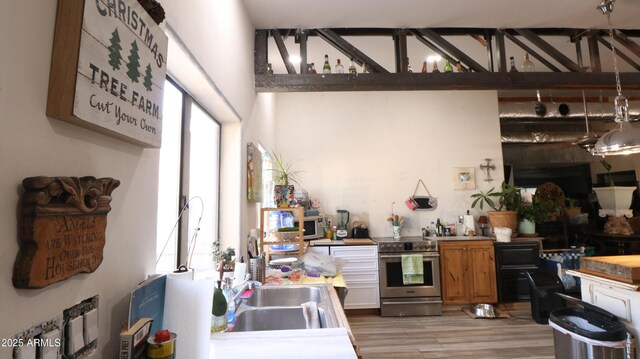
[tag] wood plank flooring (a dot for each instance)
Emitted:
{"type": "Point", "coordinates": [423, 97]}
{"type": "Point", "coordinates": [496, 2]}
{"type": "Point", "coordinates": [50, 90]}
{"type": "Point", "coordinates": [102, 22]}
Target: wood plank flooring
{"type": "Point", "coordinates": [453, 335]}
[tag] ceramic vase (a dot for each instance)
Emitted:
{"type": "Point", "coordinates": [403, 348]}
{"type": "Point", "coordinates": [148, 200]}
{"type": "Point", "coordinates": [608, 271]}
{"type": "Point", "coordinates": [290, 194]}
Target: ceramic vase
{"type": "Point", "coordinates": [396, 232]}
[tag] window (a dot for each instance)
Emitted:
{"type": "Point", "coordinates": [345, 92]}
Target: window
{"type": "Point", "coordinates": [267, 178]}
{"type": "Point", "coordinates": [188, 184]}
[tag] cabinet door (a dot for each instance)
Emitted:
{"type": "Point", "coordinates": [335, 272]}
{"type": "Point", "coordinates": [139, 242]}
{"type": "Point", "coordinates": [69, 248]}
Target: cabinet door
{"type": "Point", "coordinates": [453, 268]}
{"type": "Point", "coordinates": [482, 274]}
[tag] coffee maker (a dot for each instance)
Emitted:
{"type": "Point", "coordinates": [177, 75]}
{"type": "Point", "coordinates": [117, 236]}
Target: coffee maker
{"type": "Point", "coordinates": [343, 220]}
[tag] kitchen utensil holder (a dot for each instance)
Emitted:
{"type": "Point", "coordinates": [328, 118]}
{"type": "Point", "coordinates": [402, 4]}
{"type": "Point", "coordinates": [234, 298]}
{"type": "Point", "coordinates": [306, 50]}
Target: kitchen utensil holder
{"type": "Point", "coordinates": [257, 269]}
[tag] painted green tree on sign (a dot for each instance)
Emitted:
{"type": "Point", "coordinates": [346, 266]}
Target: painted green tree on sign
{"type": "Point", "coordinates": [147, 78]}
{"type": "Point", "coordinates": [115, 58]}
{"type": "Point", "coordinates": [134, 63]}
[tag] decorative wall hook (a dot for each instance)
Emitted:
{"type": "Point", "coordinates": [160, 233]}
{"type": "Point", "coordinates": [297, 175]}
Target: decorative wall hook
{"type": "Point", "coordinates": [488, 167]}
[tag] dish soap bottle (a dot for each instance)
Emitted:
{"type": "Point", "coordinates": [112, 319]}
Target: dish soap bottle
{"type": "Point", "coordinates": [218, 311]}
{"type": "Point", "coordinates": [231, 304]}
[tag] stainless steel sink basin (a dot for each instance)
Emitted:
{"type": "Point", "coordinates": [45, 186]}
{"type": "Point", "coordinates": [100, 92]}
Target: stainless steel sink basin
{"type": "Point", "coordinates": [284, 296]}
{"type": "Point", "coordinates": [272, 318]}
{"type": "Point", "coordinates": [279, 308]}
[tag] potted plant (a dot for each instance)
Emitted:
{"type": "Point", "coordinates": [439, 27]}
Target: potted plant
{"type": "Point", "coordinates": [614, 198]}
{"type": "Point", "coordinates": [504, 204]}
{"type": "Point", "coordinates": [224, 260]}
{"type": "Point", "coordinates": [283, 175]}
{"type": "Point", "coordinates": [572, 207]}
{"type": "Point", "coordinates": [540, 210]}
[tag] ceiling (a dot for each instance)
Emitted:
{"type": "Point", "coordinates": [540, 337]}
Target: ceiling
{"type": "Point", "coordinates": [306, 14]}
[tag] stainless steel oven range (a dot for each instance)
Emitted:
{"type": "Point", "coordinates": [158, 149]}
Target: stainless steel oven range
{"type": "Point", "coordinates": [398, 299]}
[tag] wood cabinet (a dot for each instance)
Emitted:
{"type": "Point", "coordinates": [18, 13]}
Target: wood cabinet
{"type": "Point", "coordinates": [467, 272]}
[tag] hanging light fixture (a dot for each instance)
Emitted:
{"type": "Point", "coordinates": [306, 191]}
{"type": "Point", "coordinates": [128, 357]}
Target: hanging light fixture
{"type": "Point", "coordinates": [589, 139]}
{"type": "Point", "coordinates": [625, 138]}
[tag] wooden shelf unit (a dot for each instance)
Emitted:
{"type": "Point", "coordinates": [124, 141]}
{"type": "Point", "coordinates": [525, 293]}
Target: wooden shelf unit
{"type": "Point", "coordinates": [298, 212]}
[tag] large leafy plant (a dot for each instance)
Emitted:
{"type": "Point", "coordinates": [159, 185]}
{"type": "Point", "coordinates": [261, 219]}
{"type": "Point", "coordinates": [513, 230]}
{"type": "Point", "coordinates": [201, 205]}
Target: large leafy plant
{"type": "Point", "coordinates": [283, 173]}
{"type": "Point", "coordinates": [508, 198]}
{"type": "Point", "coordinates": [540, 210]}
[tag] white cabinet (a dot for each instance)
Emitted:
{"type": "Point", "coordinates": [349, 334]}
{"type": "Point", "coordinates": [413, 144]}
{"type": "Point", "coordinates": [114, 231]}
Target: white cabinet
{"type": "Point", "coordinates": [361, 275]}
{"type": "Point", "coordinates": [620, 299]}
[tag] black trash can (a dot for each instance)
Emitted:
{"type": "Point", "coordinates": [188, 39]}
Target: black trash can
{"type": "Point", "coordinates": [544, 285]}
{"type": "Point", "coordinates": [587, 331]}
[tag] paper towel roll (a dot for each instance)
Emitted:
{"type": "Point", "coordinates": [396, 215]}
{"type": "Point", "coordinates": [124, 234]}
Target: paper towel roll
{"type": "Point", "coordinates": [238, 273]}
{"type": "Point", "coordinates": [469, 223]}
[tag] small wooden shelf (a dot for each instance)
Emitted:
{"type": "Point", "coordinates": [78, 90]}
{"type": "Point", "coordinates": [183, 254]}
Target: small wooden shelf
{"type": "Point", "coordinates": [297, 212]}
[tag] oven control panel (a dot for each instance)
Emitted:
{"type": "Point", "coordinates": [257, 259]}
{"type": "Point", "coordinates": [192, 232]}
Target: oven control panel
{"type": "Point", "coordinates": [398, 247]}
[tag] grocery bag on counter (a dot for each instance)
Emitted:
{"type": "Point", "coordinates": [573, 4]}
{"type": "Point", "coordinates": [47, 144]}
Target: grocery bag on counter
{"type": "Point", "coordinates": [421, 202]}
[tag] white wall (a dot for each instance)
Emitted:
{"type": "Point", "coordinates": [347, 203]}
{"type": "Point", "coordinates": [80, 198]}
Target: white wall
{"type": "Point", "coordinates": [363, 151]}
{"type": "Point", "coordinates": [32, 144]}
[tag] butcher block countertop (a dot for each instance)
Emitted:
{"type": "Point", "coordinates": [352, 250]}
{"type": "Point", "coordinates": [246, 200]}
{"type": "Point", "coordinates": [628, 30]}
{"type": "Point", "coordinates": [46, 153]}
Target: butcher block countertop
{"type": "Point", "coordinates": [622, 268]}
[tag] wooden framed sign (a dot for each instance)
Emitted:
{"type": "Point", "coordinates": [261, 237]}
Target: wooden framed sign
{"type": "Point", "coordinates": [108, 69]}
{"type": "Point", "coordinates": [62, 228]}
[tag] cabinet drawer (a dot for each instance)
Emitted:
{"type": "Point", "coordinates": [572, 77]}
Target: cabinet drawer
{"type": "Point", "coordinates": [359, 264]}
{"type": "Point", "coordinates": [362, 295]}
{"type": "Point", "coordinates": [613, 301]}
{"type": "Point", "coordinates": [318, 249]}
{"type": "Point", "coordinates": [355, 252]}
{"type": "Point", "coordinates": [360, 277]}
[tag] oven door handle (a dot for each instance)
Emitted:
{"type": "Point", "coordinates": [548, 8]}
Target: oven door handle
{"type": "Point", "coordinates": [425, 255]}
{"type": "Point", "coordinates": [435, 301]}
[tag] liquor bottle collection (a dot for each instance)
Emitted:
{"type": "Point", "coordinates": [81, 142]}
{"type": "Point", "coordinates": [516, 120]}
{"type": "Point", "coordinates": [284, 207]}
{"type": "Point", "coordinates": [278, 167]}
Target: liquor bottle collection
{"type": "Point", "coordinates": [339, 68]}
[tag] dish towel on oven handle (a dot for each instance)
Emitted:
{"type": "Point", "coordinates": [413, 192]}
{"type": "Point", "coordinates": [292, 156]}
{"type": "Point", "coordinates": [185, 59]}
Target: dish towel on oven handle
{"type": "Point", "coordinates": [412, 272]}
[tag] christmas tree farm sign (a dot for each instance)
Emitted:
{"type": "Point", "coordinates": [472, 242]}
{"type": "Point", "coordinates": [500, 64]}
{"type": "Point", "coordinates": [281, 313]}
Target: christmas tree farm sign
{"type": "Point", "coordinates": [108, 69]}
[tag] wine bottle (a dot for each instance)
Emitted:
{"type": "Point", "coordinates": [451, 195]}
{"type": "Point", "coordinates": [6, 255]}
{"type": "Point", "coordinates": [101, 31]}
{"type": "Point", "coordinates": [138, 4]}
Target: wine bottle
{"type": "Point", "coordinates": [339, 67]}
{"type": "Point", "coordinates": [409, 69]}
{"type": "Point", "coordinates": [352, 68]}
{"type": "Point", "coordinates": [447, 66]}
{"type": "Point", "coordinates": [326, 69]}
{"type": "Point", "coordinates": [424, 67]}
{"type": "Point", "coordinates": [435, 67]}
{"type": "Point", "coordinates": [459, 67]}
{"type": "Point", "coordinates": [313, 68]}
{"type": "Point", "coordinates": [439, 231]}
{"type": "Point", "coordinates": [527, 65]}
{"type": "Point", "coordinates": [513, 65]}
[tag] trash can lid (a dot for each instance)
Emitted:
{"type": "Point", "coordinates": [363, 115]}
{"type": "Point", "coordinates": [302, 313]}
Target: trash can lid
{"type": "Point", "coordinates": [587, 322]}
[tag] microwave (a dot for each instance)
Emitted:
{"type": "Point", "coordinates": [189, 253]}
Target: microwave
{"type": "Point", "coordinates": [313, 227]}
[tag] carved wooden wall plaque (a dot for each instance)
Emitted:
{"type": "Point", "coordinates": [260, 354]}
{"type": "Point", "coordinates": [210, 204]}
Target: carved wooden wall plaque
{"type": "Point", "coordinates": [62, 228]}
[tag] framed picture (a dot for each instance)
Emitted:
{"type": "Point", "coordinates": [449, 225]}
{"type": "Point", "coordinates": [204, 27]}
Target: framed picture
{"type": "Point", "coordinates": [464, 178]}
{"type": "Point", "coordinates": [254, 173]}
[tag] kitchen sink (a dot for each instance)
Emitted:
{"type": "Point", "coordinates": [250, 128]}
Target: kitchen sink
{"type": "Point", "coordinates": [273, 318]}
{"type": "Point", "coordinates": [284, 296]}
{"type": "Point", "coordinates": [280, 308]}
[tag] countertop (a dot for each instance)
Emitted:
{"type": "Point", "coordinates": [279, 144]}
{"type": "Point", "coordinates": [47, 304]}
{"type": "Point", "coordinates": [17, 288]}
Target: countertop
{"type": "Point", "coordinates": [345, 242]}
{"type": "Point", "coordinates": [302, 343]}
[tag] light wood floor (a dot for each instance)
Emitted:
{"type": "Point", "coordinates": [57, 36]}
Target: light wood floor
{"type": "Point", "coordinates": [453, 335]}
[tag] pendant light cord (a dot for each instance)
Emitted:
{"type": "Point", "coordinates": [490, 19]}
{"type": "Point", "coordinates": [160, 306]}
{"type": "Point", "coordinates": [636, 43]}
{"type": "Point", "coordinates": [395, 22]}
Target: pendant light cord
{"type": "Point", "coordinates": [613, 51]}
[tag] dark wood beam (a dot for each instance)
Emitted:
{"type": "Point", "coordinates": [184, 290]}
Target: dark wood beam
{"type": "Point", "coordinates": [450, 48]}
{"type": "Point", "coordinates": [502, 54]}
{"type": "Point", "coordinates": [594, 51]}
{"type": "Point", "coordinates": [489, 47]}
{"type": "Point", "coordinates": [349, 50]}
{"type": "Point", "coordinates": [626, 42]}
{"type": "Point", "coordinates": [260, 52]}
{"type": "Point", "coordinates": [302, 40]}
{"type": "Point", "coordinates": [283, 51]}
{"type": "Point", "coordinates": [533, 53]}
{"type": "Point", "coordinates": [621, 55]}
{"type": "Point", "coordinates": [439, 51]}
{"type": "Point", "coordinates": [444, 81]}
{"type": "Point", "coordinates": [550, 50]}
{"type": "Point", "coordinates": [400, 50]}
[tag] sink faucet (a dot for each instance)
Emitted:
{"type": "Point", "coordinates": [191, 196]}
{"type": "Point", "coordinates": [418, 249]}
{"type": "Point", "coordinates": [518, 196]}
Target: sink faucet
{"type": "Point", "coordinates": [239, 288]}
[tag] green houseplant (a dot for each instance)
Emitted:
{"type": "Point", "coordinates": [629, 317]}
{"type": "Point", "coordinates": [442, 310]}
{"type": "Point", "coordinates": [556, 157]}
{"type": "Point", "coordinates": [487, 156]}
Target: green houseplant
{"type": "Point", "coordinates": [539, 210]}
{"type": "Point", "coordinates": [504, 204]}
{"type": "Point", "coordinates": [224, 259]}
{"type": "Point", "coordinates": [283, 175]}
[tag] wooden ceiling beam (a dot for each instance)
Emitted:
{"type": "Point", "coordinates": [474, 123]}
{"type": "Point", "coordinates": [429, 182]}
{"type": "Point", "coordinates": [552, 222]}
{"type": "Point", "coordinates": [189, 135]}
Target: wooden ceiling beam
{"type": "Point", "coordinates": [621, 55]}
{"type": "Point", "coordinates": [550, 50]}
{"type": "Point", "coordinates": [283, 51]}
{"type": "Point", "coordinates": [627, 42]}
{"type": "Point", "coordinates": [349, 50]}
{"type": "Point", "coordinates": [532, 52]}
{"type": "Point", "coordinates": [443, 81]}
{"type": "Point", "coordinates": [447, 47]}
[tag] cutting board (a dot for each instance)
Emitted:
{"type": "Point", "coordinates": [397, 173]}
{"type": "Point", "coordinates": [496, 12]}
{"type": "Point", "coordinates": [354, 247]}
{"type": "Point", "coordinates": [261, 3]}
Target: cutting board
{"type": "Point", "coordinates": [622, 268]}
